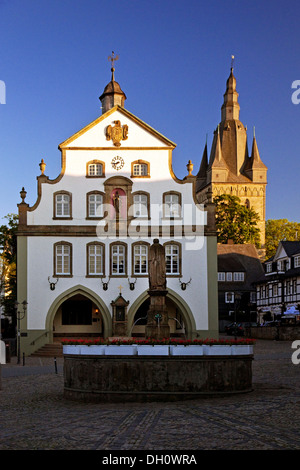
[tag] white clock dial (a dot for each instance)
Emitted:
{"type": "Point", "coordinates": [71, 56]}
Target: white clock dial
{"type": "Point", "coordinates": [117, 163]}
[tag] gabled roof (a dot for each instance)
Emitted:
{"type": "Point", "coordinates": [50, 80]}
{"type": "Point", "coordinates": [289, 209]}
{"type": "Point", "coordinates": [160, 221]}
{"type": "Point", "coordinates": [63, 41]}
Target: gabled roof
{"type": "Point", "coordinates": [126, 113]}
{"type": "Point", "coordinates": [242, 257]}
{"type": "Point", "coordinates": [290, 248]}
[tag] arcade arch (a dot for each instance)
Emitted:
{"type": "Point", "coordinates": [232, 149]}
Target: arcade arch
{"type": "Point", "coordinates": [181, 320]}
{"type": "Point", "coordinates": [78, 311]}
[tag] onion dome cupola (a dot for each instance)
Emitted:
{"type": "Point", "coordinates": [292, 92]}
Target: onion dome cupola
{"type": "Point", "coordinates": [112, 94]}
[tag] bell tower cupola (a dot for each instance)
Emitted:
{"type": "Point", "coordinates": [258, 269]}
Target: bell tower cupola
{"type": "Point", "coordinates": [112, 94]}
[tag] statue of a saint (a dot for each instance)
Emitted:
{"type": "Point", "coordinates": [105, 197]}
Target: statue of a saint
{"type": "Point", "coordinates": [116, 202]}
{"type": "Point", "coordinates": [157, 266]}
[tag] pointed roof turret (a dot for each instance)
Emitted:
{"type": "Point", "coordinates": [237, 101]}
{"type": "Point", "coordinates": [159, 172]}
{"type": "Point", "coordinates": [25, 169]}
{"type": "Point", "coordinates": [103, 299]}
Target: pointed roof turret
{"type": "Point", "coordinates": [202, 173]}
{"type": "Point", "coordinates": [255, 157]}
{"type": "Point", "coordinates": [112, 94]}
{"type": "Point", "coordinates": [256, 169]}
{"type": "Point", "coordinates": [217, 169]}
{"type": "Point", "coordinates": [216, 156]}
{"type": "Point", "coordinates": [204, 164]}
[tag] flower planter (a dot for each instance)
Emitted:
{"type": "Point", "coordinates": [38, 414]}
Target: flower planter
{"type": "Point", "coordinates": [149, 350]}
{"type": "Point", "coordinates": [192, 350]}
{"type": "Point", "coordinates": [71, 349]}
{"type": "Point", "coordinates": [95, 350]}
{"type": "Point", "coordinates": [238, 349]}
{"type": "Point", "coordinates": [217, 350]}
{"type": "Point", "coordinates": [120, 350]}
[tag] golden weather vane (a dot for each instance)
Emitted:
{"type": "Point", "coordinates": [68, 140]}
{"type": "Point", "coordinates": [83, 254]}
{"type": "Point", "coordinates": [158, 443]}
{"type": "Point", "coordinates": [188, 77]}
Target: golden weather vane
{"type": "Point", "coordinates": [112, 58]}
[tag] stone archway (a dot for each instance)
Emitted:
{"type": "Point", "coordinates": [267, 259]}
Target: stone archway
{"type": "Point", "coordinates": [173, 298]}
{"type": "Point", "coordinates": [76, 292]}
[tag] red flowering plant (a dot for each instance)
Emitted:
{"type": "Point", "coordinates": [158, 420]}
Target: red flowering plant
{"type": "Point", "coordinates": [83, 342]}
{"type": "Point", "coordinates": [153, 342]}
{"type": "Point", "coordinates": [228, 342]}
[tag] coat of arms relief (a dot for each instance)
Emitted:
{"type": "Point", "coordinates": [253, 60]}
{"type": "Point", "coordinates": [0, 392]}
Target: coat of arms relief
{"type": "Point", "coordinates": [117, 133]}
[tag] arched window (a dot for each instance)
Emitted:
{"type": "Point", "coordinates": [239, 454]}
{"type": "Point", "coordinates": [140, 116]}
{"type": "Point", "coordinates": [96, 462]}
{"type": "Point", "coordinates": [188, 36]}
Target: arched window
{"type": "Point", "coordinates": [95, 259]}
{"type": "Point", "coordinates": [62, 259]}
{"type": "Point", "coordinates": [118, 259]}
{"type": "Point", "coordinates": [62, 205]}
{"type": "Point", "coordinates": [140, 259]}
{"type": "Point", "coordinates": [140, 168]}
{"type": "Point", "coordinates": [173, 258]}
{"type": "Point", "coordinates": [95, 205]}
{"type": "Point", "coordinates": [172, 204]}
{"type": "Point", "coordinates": [141, 204]}
{"type": "Point", "coordinates": [95, 169]}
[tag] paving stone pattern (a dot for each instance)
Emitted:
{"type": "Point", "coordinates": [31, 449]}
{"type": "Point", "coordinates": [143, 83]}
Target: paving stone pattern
{"type": "Point", "coordinates": [36, 416]}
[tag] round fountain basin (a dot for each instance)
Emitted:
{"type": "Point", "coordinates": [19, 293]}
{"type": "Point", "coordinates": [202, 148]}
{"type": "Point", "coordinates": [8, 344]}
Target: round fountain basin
{"type": "Point", "coordinates": [144, 378]}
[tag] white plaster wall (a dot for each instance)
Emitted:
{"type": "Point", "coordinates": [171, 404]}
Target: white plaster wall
{"type": "Point", "coordinates": [95, 136]}
{"type": "Point", "coordinates": [40, 297]}
{"type": "Point", "coordinates": [40, 249]}
{"type": "Point", "coordinates": [75, 182]}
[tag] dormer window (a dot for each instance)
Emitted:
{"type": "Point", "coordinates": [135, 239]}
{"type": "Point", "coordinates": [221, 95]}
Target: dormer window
{"type": "Point", "coordinates": [238, 277]}
{"type": "Point", "coordinates": [283, 264]}
{"type": "Point", "coordinates": [269, 267]}
{"type": "Point", "coordinates": [95, 169]}
{"type": "Point", "coordinates": [297, 261]}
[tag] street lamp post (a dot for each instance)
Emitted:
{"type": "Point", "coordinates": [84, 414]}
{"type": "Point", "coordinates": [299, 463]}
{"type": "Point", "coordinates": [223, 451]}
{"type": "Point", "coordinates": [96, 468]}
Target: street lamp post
{"type": "Point", "coordinates": [20, 316]}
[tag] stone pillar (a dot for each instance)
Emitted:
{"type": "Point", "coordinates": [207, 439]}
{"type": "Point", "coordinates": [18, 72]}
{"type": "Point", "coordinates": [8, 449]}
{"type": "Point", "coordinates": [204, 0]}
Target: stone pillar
{"type": "Point", "coordinates": [157, 318]}
{"type": "Point", "coordinates": [157, 323]}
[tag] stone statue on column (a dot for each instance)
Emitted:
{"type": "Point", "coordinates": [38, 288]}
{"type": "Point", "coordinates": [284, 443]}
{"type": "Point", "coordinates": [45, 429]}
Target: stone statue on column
{"type": "Point", "coordinates": [157, 267]}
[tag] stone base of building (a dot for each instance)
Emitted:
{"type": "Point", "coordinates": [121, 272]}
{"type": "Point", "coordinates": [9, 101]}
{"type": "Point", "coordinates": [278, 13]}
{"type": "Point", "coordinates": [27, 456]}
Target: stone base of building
{"type": "Point", "coordinates": [154, 378]}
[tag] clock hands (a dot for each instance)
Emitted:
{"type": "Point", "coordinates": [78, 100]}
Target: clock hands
{"type": "Point", "coordinates": [117, 163]}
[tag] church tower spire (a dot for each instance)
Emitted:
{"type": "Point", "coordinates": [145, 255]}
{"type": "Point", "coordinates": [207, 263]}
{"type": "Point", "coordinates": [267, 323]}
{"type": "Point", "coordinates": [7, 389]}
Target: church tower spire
{"type": "Point", "coordinates": [112, 94]}
{"type": "Point", "coordinates": [230, 108]}
{"type": "Point", "coordinates": [230, 170]}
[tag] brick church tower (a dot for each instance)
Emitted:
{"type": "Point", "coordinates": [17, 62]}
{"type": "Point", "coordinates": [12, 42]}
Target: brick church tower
{"type": "Point", "coordinates": [230, 169]}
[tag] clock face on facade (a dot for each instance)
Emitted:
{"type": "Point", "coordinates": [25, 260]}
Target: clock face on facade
{"type": "Point", "coordinates": [117, 163]}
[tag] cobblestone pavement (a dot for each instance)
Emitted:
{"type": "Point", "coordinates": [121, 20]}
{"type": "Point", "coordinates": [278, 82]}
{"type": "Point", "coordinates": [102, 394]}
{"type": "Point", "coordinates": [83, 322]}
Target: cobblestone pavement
{"type": "Point", "coordinates": [35, 415]}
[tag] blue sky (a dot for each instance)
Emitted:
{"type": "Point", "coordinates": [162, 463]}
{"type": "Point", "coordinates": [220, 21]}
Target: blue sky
{"type": "Point", "coordinates": [174, 62]}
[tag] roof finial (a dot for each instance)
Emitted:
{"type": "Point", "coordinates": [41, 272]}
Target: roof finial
{"type": "Point", "coordinates": [254, 132]}
{"type": "Point", "coordinates": [232, 61]}
{"type": "Point", "coordinates": [112, 58]}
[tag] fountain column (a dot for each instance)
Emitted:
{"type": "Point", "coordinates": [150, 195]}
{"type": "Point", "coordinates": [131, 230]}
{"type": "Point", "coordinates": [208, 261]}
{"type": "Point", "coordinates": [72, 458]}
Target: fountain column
{"type": "Point", "coordinates": [157, 318]}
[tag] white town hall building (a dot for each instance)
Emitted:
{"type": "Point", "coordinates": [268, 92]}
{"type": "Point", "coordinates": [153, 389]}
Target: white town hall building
{"type": "Point", "coordinates": [83, 246]}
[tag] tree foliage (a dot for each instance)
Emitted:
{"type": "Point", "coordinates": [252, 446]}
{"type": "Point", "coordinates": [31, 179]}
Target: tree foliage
{"type": "Point", "coordinates": [235, 221]}
{"type": "Point", "coordinates": [277, 230]}
{"type": "Point", "coordinates": [8, 263]}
